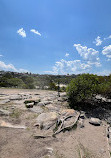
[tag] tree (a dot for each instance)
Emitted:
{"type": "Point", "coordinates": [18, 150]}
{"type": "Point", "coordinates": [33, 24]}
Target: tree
{"type": "Point", "coordinates": [82, 88]}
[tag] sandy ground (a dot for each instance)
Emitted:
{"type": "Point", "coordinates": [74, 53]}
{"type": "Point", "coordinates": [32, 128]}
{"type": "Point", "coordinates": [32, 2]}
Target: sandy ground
{"type": "Point", "coordinates": [87, 142]}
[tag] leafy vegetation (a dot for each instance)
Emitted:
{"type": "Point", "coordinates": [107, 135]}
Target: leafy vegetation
{"type": "Point", "coordinates": [31, 81]}
{"type": "Point", "coordinates": [85, 86]}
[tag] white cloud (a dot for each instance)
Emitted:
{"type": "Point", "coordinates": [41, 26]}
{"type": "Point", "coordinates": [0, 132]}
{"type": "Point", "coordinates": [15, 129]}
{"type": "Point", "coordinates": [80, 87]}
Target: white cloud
{"type": "Point", "coordinates": [10, 67]}
{"type": "Point", "coordinates": [67, 54]}
{"type": "Point", "coordinates": [36, 32]}
{"type": "Point", "coordinates": [1, 55]}
{"type": "Point", "coordinates": [64, 67]}
{"type": "Point", "coordinates": [21, 32]}
{"type": "Point", "coordinates": [88, 54]}
{"type": "Point", "coordinates": [90, 58]}
{"type": "Point", "coordinates": [107, 37]}
{"type": "Point", "coordinates": [98, 41]}
{"type": "Point", "coordinates": [4, 66]}
{"type": "Point", "coordinates": [107, 52]}
{"type": "Point", "coordinates": [22, 70]}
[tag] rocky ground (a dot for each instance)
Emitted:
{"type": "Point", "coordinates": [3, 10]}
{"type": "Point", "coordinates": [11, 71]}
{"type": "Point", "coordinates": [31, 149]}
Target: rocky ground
{"type": "Point", "coordinates": [45, 127]}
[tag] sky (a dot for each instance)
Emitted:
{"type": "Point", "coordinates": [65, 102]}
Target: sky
{"type": "Point", "coordinates": [55, 37]}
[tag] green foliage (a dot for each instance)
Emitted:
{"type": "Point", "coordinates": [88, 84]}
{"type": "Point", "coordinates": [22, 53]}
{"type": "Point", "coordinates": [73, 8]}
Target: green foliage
{"type": "Point", "coordinates": [85, 86]}
{"type": "Point", "coordinates": [82, 88]}
{"type": "Point", "coordinates": [52, 86]}
{"type": "Point", "coordinates": [104, 87]}
{"type": "Point", "coordinates": [11, 82]}
{"type": "Point", "coordinates": [29, 82]}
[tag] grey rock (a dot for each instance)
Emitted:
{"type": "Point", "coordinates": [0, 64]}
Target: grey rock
{"type": "Point", "coordinates": [63, 94]}
{"type": "Point", "coordinates": [4, 101]}
{"type": "Point", "coordinates": [15, 97]}
{"type": "Point", "coordinates": [30, 105]}
{"type": "Point", "coordinates": [46, 120]}
{"type": "Point", "coordinates": [52, 107]}
{"type": "Point", "coordinates": [41, 104]}
{"type": "Point", "coordinates": [4, 112]}
{"type": "Point", "coordinates": [81, 123]}
{"type": "Point", "coordinates": [82, 116]}
{"type": "Point", "coordinates": [9, 125]}
{"type": "Point", "coordinates": [62, 99]}
{"type": "Point", "coordinates": [37, 109]}
{"type": "Point", "coordinates": [95, 121]}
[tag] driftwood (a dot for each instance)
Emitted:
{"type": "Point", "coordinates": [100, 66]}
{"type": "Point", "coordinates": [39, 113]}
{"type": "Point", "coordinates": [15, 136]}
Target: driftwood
{"type": "Point", "coordinates": [62, 120]}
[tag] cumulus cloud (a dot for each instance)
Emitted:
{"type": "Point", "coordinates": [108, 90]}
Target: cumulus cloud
{"type": "Point", "coordinates": [10, 67]}
{"type": "Point", "coordinates": [4, 66]}
{"type": "Point", "coordinates": [107, 52]}
{"type": "Point", "coordinates": [74, 66]}
{"type": "Point", "coordinates": [21, 32]}
{"type": "Point", "coordinates": [67, 54]}
{"type": "Point", "coordinates": [36, 32]}
{"type": "Point", "coordinates": [88, 54]}
{"type": "Point", "coordinates": [98, 41]}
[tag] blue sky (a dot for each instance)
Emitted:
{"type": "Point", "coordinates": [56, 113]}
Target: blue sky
{"type": "Point", "coordinates": [56, 37]}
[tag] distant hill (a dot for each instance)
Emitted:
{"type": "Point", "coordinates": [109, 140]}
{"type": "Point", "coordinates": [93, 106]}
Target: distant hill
{"type": "Point", "coordinates": [30, 80]}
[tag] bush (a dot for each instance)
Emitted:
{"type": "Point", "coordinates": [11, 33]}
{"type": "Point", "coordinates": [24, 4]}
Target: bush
{"type": "Point", "coordinates": [82, 89]}
{"type": "Point", "coordinates": [52, 86]}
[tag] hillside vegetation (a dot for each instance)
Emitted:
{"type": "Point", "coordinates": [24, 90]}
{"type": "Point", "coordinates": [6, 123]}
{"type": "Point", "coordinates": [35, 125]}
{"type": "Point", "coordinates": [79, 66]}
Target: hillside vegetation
{"type": "Point", "coordinates": [31, 81]}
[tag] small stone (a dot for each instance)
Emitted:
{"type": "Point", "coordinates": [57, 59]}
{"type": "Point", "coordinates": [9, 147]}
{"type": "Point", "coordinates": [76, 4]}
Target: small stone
{"type": "Point", "coordinates": [95, 121]}
{"type": "Point", "coordinates": [81, 123]}
{"type": "Point", "coordinates": [82, 116]}
{"type": "Point", "coordinates": [30, 105]}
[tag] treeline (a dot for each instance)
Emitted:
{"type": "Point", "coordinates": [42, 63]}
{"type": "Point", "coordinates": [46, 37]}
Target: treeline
{"type": "Point", "coordinates": [31, 81]}
{"type": "Point", "coordinates": [9, 79]}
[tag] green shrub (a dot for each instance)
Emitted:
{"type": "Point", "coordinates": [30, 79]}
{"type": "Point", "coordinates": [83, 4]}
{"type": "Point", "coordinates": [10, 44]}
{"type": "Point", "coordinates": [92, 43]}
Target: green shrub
{"type": "Point", "coordinates": [82, 89]}
{"type": "Point", "coordinates": [52, 86]}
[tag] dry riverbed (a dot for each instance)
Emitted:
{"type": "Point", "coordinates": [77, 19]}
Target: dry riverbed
{"type": "Point", "coordinates": [33, 132]}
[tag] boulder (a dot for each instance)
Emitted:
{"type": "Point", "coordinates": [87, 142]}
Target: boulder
{"type": "Point", "coordinates": [62, 99]}
{"type": "Point", "coordinates": [4, 101]}
{"type": "Point", "coordinates": [95, 121]}
{"type": "Point", "coordinates": [68, 112]}
{"type": "Point", "coordinates": [37, 109]}
{"type": "Point", "coordinates": [52, 107]}
{"type": "Point", "coordinates": [63, 94]}
{"type": "Point", "coordinates": [4, 112]}
{"type": "Point", "coordinates": [46, 120]}
{"type": "Point", "coordinates": [43, 103]}
{"type": "Point", "coordinates": [9, 125]}
{"type": "Point", "coordinates": [15, 97]}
